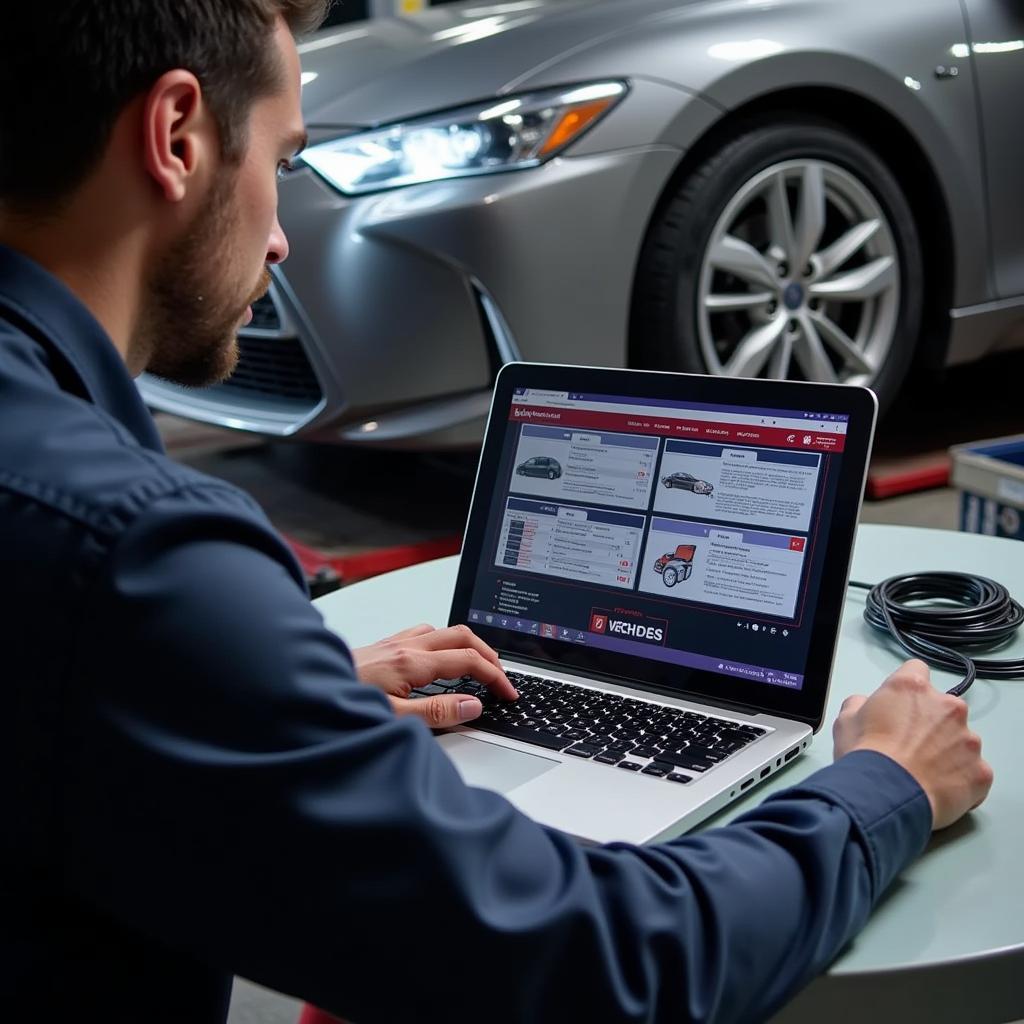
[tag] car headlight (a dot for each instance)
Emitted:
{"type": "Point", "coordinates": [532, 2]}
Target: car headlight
{"type": "Point", "coordinates": [503, 135]}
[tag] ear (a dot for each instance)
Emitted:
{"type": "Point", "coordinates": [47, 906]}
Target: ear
{"type": "Point", "coordinates": [176, 133]}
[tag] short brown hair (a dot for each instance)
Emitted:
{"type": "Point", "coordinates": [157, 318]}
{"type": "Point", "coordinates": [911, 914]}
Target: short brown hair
{"type": "Point", "coordinates": [69, 67]}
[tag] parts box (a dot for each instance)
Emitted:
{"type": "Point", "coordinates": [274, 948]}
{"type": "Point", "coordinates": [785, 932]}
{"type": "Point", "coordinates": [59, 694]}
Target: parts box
{"type": "Point", "coordinates": [990, 478]}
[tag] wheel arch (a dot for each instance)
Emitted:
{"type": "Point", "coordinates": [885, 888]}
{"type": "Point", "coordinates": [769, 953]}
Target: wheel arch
{"type": "Point", "coordinates": [905, 159]}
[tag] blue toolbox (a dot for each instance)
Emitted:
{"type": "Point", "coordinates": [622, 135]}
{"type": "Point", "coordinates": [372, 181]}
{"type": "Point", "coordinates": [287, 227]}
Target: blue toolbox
{"type": "Point", "coordinates": [990, 478]}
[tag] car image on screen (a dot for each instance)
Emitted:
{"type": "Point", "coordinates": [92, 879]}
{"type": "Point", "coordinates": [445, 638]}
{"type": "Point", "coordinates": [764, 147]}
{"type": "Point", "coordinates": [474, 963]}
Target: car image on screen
{"type": "Point", "coordinates": [688, 482]}
{"type": "Point", "coordinates": [540, 465]}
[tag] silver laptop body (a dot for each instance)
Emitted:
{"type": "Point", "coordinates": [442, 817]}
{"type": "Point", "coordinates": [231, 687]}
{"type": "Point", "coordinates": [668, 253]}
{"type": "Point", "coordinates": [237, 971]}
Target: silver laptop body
{"type": "Point", "coordinates": [604, 801]}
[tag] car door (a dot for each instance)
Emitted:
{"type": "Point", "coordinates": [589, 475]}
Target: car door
{"type": "Point", "coordinates": [996, 51]}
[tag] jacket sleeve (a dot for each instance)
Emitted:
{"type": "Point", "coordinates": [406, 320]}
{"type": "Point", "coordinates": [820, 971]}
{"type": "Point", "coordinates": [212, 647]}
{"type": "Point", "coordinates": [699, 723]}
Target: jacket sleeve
{"type": "Point", "coordinates": [238, 795]}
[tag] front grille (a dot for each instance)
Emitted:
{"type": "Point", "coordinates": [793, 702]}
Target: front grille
{"type": "Point", "coordinates": [264, 315]}
{"type": "Point", "coordinates": [277, 367]}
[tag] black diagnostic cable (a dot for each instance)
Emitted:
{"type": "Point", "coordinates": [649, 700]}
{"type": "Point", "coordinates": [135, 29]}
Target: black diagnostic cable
{"type": "Point", "coordinates": [937, 616]}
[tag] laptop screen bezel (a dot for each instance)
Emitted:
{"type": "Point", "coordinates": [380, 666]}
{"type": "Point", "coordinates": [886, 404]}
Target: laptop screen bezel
{"type": "Point", "coordinates": [806, 704]}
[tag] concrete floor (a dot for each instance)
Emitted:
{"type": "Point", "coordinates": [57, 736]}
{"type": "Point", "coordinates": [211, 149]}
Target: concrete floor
{"type": "Point", "coordinates": [342, 501]}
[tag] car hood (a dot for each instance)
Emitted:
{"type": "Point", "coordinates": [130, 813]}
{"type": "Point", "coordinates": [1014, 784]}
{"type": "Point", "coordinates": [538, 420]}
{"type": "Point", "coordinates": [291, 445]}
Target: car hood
{"type": "Point", "coordinates": [388, 69]}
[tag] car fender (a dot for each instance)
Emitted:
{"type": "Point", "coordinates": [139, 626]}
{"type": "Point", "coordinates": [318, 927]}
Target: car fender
{"type": "Point", "coordinates": [737, 55]}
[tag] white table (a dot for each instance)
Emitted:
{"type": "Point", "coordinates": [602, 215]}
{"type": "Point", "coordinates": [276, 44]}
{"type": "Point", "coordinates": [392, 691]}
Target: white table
{"type": "Point", "coordinates": [947, 942]}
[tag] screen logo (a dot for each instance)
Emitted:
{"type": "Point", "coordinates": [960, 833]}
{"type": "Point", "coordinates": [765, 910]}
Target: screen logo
{"type": "Point", "coordinates": [629, 624]}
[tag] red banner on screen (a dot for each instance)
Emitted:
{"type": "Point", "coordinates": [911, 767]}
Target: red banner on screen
{"type": "Point", "coordinates": [697, 430]}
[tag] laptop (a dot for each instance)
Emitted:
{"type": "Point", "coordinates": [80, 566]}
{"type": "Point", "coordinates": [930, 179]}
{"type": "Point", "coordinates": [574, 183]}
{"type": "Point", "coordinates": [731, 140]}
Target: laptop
{"type": "Point", "coordinates": [660, 560]}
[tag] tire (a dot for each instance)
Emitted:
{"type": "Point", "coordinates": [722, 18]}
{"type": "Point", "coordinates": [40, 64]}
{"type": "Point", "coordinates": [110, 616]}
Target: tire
{"type": "Point", "coordinates": [669, 576]}
{"type": "Point", "coordinates": [694, 247]}
{"type": "Point", "coordinates": [551, 474]}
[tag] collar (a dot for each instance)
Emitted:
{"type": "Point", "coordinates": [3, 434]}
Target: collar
{"type": "Point", "coordinates": [57, 319]}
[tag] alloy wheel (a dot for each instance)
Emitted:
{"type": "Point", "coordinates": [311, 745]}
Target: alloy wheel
{"type": "Point", "coordinates": [800, 278]}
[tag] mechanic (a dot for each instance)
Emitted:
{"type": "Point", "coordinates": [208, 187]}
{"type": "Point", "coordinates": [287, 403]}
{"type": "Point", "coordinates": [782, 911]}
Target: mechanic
{"type": "Point", "coordinates": [199, 779]}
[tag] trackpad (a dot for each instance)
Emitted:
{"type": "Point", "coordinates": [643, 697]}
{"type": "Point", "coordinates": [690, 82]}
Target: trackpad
{"type": "Point", "coordinates": [492, 767]}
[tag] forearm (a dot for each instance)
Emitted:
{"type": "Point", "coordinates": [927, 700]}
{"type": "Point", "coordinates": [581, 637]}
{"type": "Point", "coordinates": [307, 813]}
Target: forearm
{"type": "Point", "coordinates": [245, 800]}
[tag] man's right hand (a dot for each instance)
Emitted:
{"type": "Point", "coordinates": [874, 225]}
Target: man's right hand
{"type": "Point", "coordinates": [926, 732]}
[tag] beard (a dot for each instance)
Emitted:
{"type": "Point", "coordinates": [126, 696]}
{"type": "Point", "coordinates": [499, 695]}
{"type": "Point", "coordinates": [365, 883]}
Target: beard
{"type": "Point", "coordinates": [189, 324]}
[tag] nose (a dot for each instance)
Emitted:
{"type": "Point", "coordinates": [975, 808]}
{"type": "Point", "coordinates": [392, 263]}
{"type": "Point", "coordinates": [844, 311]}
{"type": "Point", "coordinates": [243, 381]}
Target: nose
{"type": "Point", "coordinates": [277, 244]}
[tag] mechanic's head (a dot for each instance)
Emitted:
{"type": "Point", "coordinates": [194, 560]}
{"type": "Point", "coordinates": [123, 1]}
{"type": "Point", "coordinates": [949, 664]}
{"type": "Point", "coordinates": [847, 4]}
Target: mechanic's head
{"type": "Point", "coordinates": [147, 136]}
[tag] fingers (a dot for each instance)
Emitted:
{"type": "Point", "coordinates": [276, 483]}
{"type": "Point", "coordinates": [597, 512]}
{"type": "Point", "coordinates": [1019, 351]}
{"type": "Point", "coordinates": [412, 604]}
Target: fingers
{"type": "Point", "coordinates": [442, 711]}
{"type": "Point", "coordinates": [844, 729]}
{"type": "Point", "coordinates": [461, 639]}
{"type": "Point", "coordinates": [448, 664]}
{"type": "Point", "coordinates": [422, 654]}
{"type": "Point", "coordinates": [853, 704]}
{"type": "Point", "coordinates": [407, 634]}
{"type": "Point", "coordinates": [913, 671]}
{"type": "Point", "coordinates": [982, 782]}
{"type": "Point", "coordinates": [458, 636]}
{"type": "Point", "coordinates": [450, 638]}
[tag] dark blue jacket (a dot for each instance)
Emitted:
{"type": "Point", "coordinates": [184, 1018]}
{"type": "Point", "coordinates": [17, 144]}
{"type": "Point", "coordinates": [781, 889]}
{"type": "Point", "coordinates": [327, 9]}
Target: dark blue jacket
{"type": "Point", "coordinates": [194, 785]}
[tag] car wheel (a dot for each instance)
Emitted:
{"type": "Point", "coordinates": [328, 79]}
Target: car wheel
{"type": "Point", "coordinates": [669, 576]}
{"type": "Point", "coordinates": [790, 252]}
{"type": "Point", "coordinates": [551, 474]}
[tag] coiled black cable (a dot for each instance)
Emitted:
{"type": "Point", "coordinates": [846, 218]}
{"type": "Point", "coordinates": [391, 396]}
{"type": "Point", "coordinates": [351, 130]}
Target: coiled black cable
{"type": "Point", "coordinates": [936, 616]}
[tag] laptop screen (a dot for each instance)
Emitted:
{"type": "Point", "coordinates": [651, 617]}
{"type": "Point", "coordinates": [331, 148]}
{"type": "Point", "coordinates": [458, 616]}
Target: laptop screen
{"type": "Point", "coordinates": [686, 538]}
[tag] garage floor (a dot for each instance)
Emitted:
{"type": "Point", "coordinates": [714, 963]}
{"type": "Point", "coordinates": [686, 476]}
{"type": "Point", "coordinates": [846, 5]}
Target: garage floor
{"type": "Point", "coordinates": [341, 501]}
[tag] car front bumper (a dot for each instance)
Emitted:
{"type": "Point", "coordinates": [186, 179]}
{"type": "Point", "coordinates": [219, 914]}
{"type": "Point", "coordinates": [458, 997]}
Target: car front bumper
{"type": "Point", "coordinates": [395, 310]}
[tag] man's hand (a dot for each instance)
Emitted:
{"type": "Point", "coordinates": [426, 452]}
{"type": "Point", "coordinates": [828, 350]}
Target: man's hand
{"type": "Point", "coordinates": [417, 656]}
{"type": "Point", "coordinates": [926, 732]}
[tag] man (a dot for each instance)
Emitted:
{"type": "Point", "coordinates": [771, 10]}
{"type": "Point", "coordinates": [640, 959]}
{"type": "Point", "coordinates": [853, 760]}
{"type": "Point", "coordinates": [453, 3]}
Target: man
{"type": "Point", "coordinates": [197, 781]}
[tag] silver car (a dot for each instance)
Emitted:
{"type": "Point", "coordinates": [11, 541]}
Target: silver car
{"type": "Point", "coordinates": [802, 188]}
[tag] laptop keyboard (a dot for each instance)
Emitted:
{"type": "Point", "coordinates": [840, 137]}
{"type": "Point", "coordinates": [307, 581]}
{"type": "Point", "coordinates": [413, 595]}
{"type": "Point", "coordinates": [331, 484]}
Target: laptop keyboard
{"type": "Point", "coordinates": [634, 735]}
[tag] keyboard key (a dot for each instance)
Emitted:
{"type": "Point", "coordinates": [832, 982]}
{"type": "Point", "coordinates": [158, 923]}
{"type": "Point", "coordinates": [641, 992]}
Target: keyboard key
{"type": "Point", "coordinates": [678, 777]}
{"type": "Point", "coordinates": [645, 751]}
{"type": "Point", "coordinates": [619, 748]}
{"type": "Point", "coordinates": [589, 723]}
{"type": "Point", "coordinates": [429, 690]}
{"type": "Point", "coordinates": [690, 763]}
{"type": "Point", "coordinates": [655, 769]}
{"type": "Point", "coordinates": [704, 753]}
{"type": "Point", "coordinates": [728, 746]}
{"type": "Point", "coordinates": [518, 732]}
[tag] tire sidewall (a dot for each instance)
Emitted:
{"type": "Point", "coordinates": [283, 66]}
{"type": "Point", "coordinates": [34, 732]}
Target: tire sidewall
{"type": "Point", "coordinates": [707, 195]}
